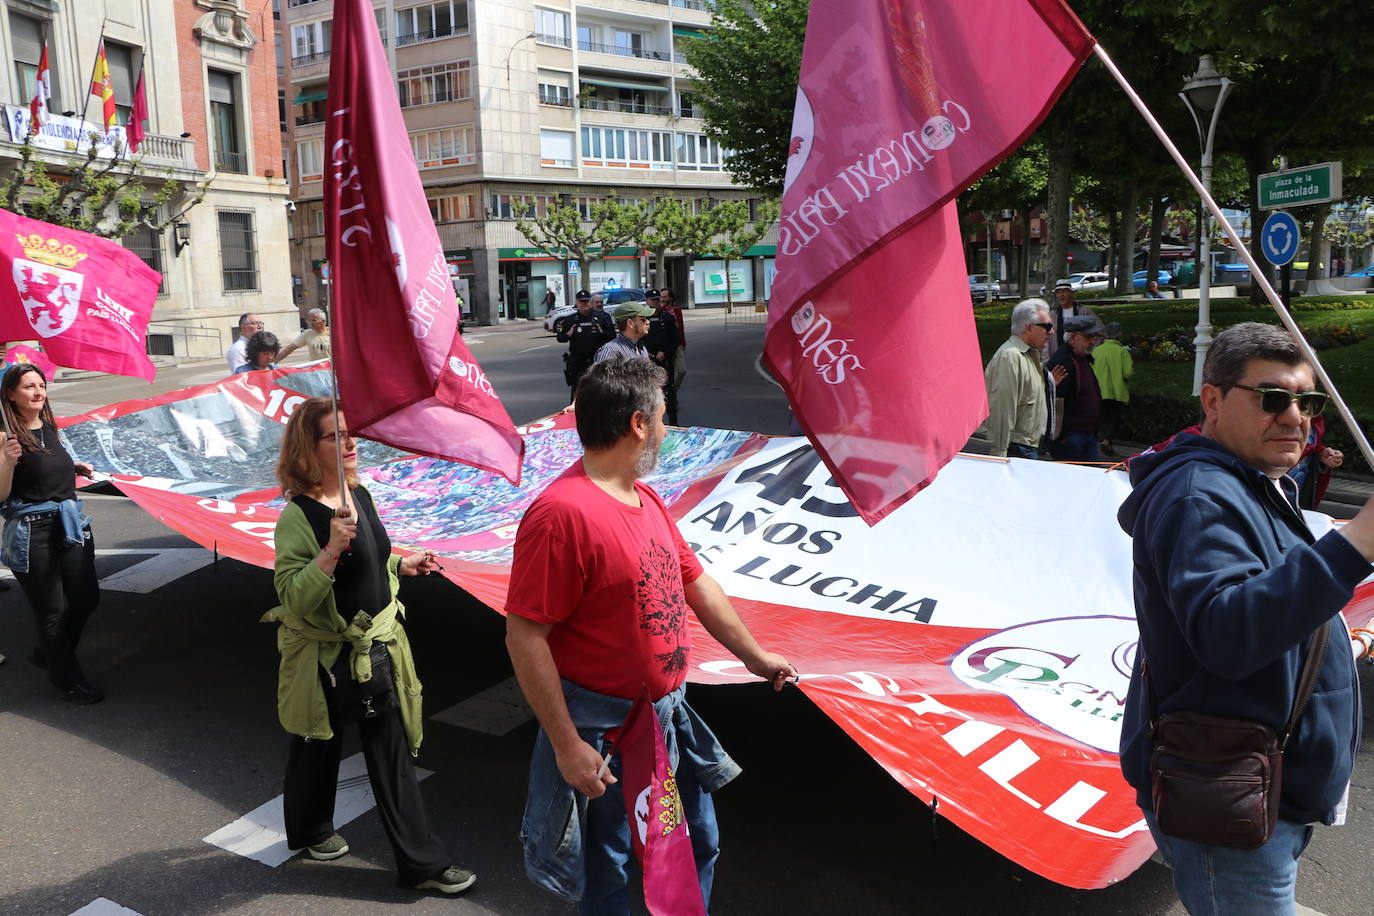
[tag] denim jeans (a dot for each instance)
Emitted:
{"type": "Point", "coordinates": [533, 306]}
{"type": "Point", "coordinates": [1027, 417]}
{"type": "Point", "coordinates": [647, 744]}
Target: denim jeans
{"type": "Point", "coordinates": [608, 844]}
{"type": "Point", "coordinates": [1017, 450]}
{"type": "Point", "coordinates": [1220, 881]}
{"type": "Point", "coordinates": [1076, 446]}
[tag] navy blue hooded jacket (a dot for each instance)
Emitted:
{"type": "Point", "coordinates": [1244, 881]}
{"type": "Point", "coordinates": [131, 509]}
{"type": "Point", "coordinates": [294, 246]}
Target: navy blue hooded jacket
{"type": "Point", "coordinates": [1229, 588]}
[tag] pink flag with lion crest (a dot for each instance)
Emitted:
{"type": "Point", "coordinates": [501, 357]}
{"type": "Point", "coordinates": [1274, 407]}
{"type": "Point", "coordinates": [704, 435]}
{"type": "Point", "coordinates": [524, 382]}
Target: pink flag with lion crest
{"type": "Point", "coordinates": [406, 378]}
{"type": "Point", "coordinates": [901, 105]}
{"type": "Point", "coordinates": [87, 300]}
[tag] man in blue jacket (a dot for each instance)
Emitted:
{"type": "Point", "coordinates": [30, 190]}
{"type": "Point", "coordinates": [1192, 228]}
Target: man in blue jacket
{"type": "Point", "coordinates": [1230, 587]}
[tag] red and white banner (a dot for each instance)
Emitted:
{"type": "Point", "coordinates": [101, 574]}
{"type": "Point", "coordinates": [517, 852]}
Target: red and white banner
{"type": "Point", "coordinates": [901, 105]}
{"type": "Point", "coordinates": [87, 299]}
{"type": "Point", "coordinates": [653, 806]}
{"type": "Point", "coordinates": [931, 642]}
{"type": "Point", "coordinates": [405, 375]}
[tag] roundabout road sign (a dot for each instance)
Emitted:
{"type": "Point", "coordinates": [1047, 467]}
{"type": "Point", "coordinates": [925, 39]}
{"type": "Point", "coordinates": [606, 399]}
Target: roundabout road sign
{"type": "Point", "coordinates": [1279, 238]}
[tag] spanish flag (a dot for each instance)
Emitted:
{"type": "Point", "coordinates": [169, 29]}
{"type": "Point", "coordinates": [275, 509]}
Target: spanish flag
{"type": "Point", "coordinates": [102, 86]}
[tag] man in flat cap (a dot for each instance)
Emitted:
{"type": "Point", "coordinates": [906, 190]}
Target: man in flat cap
{"type": "Point", "coordinates": [1076, 439]}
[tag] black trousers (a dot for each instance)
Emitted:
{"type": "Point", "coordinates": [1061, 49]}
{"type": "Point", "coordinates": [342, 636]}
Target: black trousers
{"type": "Point", "coordinates": [63, 591]}
{"type": "Point", "coordinates": [1108, 416]}
{"type": "Point", "coordinates": [312, 771]}
{"type": "Point", "coordinates": [669, 365]}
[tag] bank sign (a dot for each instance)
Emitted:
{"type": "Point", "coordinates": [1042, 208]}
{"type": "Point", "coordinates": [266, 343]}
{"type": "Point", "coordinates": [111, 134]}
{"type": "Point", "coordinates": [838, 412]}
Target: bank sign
{"type": "Point", "coordinates": [1311, 184]}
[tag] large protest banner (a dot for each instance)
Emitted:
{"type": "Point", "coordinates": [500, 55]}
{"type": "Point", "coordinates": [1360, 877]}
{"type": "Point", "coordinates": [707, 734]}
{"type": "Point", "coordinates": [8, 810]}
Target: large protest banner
{"type": "Point", "coordinates": [928, 640]}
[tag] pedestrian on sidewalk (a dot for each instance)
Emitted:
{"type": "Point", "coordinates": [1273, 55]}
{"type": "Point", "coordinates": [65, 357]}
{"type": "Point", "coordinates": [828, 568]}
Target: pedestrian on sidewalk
{"type": "Point", "coordinates": [1113, 366]}
{"type": "Point", "coordinates": [334, 558]}
{"type": "Point", "coordinates": [48, 543]}
{"type": "Point", "coordinates": [1077, 390]}
{"type": "Point", "coordinates": [316, 337]}
{"type": "Point", "coordinates": [236, 355]}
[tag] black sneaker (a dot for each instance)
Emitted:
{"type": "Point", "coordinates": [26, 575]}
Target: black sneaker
{"type": "Point", "coordinates": [83, 694]}
{"type": "Point", "coordinates": [453, 880]}
{"type": "Point", "coordinates": [329, 848]}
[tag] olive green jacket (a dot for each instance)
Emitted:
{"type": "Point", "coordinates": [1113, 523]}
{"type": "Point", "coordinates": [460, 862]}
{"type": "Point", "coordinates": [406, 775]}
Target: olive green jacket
{"type": "Point", "coordinates": [312, 634]}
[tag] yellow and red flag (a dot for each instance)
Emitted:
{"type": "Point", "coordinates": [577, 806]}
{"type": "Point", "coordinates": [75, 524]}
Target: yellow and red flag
{"type": "Point", "coordinates": [103, 87]}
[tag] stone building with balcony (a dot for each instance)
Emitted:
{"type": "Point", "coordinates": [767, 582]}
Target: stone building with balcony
{"type": "Point", "coordinates": [211, 88]}
{"type": "Point", "coordinates": [508, 100]}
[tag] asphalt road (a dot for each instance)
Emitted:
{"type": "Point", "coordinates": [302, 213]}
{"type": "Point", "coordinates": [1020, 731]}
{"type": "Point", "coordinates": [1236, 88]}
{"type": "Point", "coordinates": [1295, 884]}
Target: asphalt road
{"type": "Point", "coordinates": [113, 801]}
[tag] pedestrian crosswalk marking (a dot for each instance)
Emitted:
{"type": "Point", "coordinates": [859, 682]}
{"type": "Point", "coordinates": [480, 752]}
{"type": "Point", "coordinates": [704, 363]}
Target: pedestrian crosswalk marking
{"type": "Point", "coordinates": [498, 710]}
{"type": "Point", "coordinates": [260, 834]}
{"type": "Point", "coordinates": [101, 906]}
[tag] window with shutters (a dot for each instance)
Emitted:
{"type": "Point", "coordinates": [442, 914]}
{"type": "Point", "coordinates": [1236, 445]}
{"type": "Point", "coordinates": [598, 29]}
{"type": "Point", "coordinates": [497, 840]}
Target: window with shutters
{"type": "Point", "coordinates": [238, 251]}
{"type": "Point", "coordinates": [226, 132]}
{"type": "Point", "coordinates": [556, 148]}
{"type": "Point", "coordinates": [123, 76]}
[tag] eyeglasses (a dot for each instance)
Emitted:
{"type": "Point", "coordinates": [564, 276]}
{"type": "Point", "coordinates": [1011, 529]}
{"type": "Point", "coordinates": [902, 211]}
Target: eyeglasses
{"type": "Point", "coordinates": [1046, 325]}
{"type": "Point", "coordinates": [1277, 400]}
{"type": "Point", "coordinates": [330, 437]}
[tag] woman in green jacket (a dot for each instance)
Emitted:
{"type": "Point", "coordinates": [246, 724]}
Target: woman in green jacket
{"type": "Point", "coordinates": [345, 658]}
{"type": "Point", "coordinates": [1113, 366]}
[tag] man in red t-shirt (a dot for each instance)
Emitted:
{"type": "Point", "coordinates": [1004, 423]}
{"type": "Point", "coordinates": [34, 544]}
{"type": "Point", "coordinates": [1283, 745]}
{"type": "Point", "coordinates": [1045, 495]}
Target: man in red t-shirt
{"type": "Point", "coordinates": [601, 585]}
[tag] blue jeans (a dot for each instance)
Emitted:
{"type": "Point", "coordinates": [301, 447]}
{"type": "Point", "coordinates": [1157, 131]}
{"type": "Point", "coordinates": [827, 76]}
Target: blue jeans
{"type": "Point", "coordinates": [1220, 881]}
{"type": "Point", "coordinates": [1017, 450]}
{"type": "Point", "coordinates": [608, 844]}
{"type": "Point", "coordinates": [1076, 446]}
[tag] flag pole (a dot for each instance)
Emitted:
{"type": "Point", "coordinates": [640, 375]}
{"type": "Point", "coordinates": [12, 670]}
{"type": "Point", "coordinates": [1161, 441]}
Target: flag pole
{"type": "Point", "coordinates": [338, 442]}
{"type": "Point", "coordinates": [1255, 272]}
{"type": "Point", "coordinates": [90, 83]}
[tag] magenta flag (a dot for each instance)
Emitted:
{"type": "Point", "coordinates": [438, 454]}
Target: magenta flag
{"type": "Point", "coordinates": [87, 300]}
{"type": "Point", "coordinates": [901, 105]}
{"type": "Point", "coordinates": [658, 829]}
{"type": "Point", "coordinates": [406, 378]}
{"type": "Point", "coordinates": [20, 354]}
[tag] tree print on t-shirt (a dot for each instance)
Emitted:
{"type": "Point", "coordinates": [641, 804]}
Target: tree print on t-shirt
{"type": "Point", "coordinates": [662, 605]}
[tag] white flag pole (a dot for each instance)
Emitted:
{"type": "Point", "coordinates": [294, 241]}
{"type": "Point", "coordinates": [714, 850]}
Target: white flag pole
{"type": "Point", "coordinates": [1244, 252]}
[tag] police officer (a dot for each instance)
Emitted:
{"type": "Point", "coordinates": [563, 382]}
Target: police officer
{"type": "Point", "coordinates": [584, 331]}
{"type": "Point", "coordinates": [662, 343]}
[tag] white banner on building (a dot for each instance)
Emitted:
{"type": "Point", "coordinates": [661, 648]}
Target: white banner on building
{"type": "Point", "coordinates": [65, 135]}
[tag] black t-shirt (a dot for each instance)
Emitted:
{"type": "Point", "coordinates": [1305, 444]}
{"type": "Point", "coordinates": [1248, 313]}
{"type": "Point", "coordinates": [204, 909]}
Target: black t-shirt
{"type": "Point", "coordinates": [360, 583]}
{"type": "Point", "coordinates": [360, 579]}
{"type": "Point", "coordinates": [662, 336]}
{"type": "Point", "coordinates": [41, 475]}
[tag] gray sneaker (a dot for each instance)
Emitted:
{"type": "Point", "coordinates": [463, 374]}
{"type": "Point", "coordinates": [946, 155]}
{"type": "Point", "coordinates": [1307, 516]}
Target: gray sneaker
{"type": "Point", "coordinates": [453, 880]}
{"type": "Point", "coordinates": [329, 848]}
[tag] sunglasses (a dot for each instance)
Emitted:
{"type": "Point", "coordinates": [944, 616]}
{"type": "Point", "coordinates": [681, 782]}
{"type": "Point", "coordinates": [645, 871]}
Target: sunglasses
{"type": "Point", "coordinates": [1278, 400]}
{"type": "Point", "coordinates": [1046, 325]}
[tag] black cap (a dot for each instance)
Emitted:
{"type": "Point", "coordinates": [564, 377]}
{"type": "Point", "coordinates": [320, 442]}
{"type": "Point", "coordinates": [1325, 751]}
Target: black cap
{"type": "Point", "coordinates": [582, 295]}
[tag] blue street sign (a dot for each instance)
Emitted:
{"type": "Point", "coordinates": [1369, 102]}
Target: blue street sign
{"type": "Point", "coordinates": [1279, 238]}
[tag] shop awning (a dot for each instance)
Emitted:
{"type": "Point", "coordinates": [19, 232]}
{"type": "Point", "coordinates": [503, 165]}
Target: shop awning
{"type": "Point", "coordinates": [309, 97]}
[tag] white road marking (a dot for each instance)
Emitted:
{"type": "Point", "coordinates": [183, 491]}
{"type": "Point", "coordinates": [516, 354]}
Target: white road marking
{"type": "Point", "coordinates": [528, 349]}
{"type": "Point", "coordinates": [498, 710]}
{"type": "Point", "coordinates": [1307, 911]}
{"type": "Point", "coordinates": [260, 834]}
{"type": "Point", "coordinates": [101, 906]}
{"type": "Point", "coordinates": [163, 566]}
{"type": "Point", "coordinates": [758, 367]}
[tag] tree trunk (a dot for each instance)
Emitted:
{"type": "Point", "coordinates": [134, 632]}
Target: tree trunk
{"type": "Point", "coordinates": [1258, 160]}
{"type": "Point", "coordinates": [1159, 212]}
{"type": "Point", "coordinates": [1125, 243]}
{"type": "Point", "coordinates": [1023, 274]}
{"type": "Point", "coordinates": [1314, 244]}
{"type": "Point", "coordinates": [1060, 184]}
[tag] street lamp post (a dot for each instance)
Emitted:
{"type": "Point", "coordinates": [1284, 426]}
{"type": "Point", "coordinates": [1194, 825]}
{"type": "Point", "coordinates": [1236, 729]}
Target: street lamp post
{"type": "Point", "coordinates": [1205, 91]}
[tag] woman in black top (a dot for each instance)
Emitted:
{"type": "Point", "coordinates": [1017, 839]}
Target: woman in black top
{"type": "Point", "coordinates": [48, 541]}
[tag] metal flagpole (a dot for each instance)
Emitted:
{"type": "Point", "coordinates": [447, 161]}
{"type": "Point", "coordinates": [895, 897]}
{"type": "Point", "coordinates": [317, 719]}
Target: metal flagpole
{"type": "Point", "coordinates": [344, 509]}
{"type": "Point", "coordinates": [90, 83]}
{"type": "Point", "coordinates": [1244, 252]}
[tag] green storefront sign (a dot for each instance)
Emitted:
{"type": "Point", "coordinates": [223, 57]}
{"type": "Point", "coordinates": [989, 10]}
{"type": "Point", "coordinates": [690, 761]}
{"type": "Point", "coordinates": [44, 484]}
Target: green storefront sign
{"type": "Point", "coordinates": [1311, 184]}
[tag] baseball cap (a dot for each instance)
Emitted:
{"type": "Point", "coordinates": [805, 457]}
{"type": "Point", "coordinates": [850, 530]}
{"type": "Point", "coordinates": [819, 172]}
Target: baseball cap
{"type": "Point", "coordinates": [633, 310]}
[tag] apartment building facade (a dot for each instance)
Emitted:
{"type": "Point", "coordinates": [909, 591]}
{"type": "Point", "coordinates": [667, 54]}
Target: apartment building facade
{"type": "Point", "coordinates": [211, 89]}
{"type": "Point", "coordinates": [509, 100]}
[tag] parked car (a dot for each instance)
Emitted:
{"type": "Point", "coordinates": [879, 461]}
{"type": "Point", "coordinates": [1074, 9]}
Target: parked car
{"type": "Point", "coordinates": [1366, 272]}
{"type": "Point", "coordinates": [1140, 278]}
{"type": "Point", "coordinates": [980, 287]}
{"type": "Point", "coordinates": [610, 298]}
{"type": "Point", "coordinates": [1085, 282]}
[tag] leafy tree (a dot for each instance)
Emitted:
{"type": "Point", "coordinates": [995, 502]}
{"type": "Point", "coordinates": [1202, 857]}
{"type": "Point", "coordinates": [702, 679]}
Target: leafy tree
{"type": "Point", "coordinates": [747, 68]}
{"type": "Point", "coordinates": [670, 226]}
{"type": "Point", "coordinates": [108, 198]}
{"type": "Point", "coordinates": [561, 231]}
